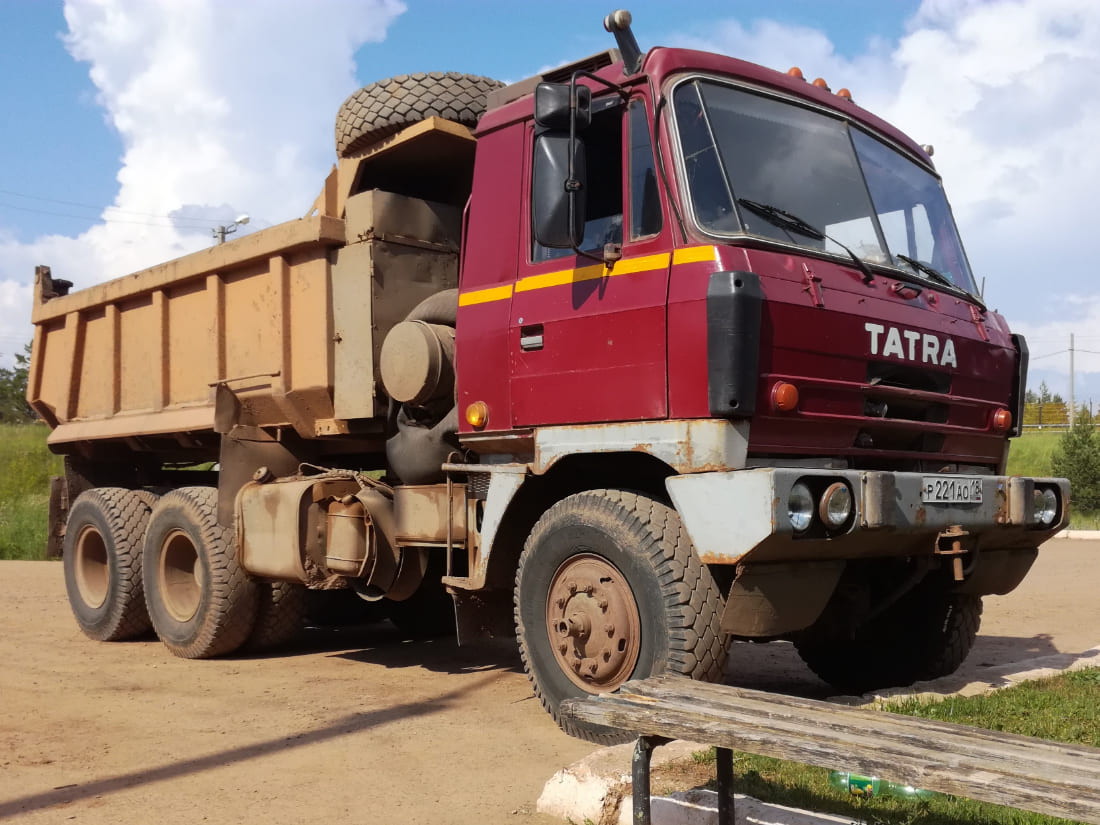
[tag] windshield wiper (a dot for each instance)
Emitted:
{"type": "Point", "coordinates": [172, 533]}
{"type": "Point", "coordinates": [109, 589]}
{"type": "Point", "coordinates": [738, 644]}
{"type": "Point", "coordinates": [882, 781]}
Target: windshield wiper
{"type": "Point", "coordinates": [785, 220]}
{"type": "Point", "coordinates": [930, 271]}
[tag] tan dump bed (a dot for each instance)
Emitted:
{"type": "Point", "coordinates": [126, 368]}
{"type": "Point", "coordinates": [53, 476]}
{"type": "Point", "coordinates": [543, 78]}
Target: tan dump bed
{"type": "Point", "coordinates": [290, 318]}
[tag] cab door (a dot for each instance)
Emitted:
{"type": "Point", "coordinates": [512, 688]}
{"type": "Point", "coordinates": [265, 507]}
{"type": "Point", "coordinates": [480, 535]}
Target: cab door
{"type": "Point", "coordinates": [588, 341]}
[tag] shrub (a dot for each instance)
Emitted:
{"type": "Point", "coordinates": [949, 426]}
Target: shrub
{"type": "Point", "coordinates": [1077, 457]}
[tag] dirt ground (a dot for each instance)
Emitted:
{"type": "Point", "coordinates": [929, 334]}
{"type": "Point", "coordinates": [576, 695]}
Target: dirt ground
{"type": "Point", "coordinates": [348, 726]}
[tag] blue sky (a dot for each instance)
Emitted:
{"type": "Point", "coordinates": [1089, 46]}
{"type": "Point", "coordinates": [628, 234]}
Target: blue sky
{"type": "Point", "coordinates": [64, 150]}
{"type": "Point", "coordinates": [119, 113]}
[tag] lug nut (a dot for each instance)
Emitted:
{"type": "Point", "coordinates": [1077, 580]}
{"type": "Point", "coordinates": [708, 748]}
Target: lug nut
{"type": "Point", "coordinates": [603, 605]}
{"type": "Point", "coordinates": [589, 589]}
{"type": "Point", "coordinates": [560, 602]}
{"type": "Point", "coordinates": [571, 586]}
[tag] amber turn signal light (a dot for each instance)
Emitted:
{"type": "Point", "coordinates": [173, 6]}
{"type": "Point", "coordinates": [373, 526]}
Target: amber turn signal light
{"type": "Point", "coordinates": [1002, 421]}
{"type": "Point", "coordinates": [477, 414]}
{"type": "Point", "coordinates": [784, 397]}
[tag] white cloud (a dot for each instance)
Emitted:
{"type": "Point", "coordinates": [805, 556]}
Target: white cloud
{"type": "Point", "coordinates": [1006, 91]}
{"type": "Point", "coordinates": [222, 108]}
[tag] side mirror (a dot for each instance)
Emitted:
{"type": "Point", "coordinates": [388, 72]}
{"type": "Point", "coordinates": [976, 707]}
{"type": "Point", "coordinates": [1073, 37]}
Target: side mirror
{"type": "Point", "coordinates": [552, 106]}
{"type": "Point", "coordinates": [557, 203]}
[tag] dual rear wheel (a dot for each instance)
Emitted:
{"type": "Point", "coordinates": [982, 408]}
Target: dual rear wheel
{"type": "Point", "coordinates": [134, 560]}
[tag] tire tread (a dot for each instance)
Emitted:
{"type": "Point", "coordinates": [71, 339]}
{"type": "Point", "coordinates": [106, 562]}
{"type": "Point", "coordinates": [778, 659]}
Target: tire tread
{"type": "Point", "coordinates": [379, 109]}
{"type": "Point", "coordinates": [126, 514]}
{"type": "Point", "coordinates": [697, 646]}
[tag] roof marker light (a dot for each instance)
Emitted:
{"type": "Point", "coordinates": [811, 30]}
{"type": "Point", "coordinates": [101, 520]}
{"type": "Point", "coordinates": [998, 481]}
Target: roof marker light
{"type": "Point", "coordinates": [794, 71]}
{"type": "Point", "coordinates": [844, 93]}
{"type": "Point", "coordinates": [821, 84]}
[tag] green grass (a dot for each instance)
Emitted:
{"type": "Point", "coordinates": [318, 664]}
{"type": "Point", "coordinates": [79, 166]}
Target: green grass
{"type": "Point", "coordinates": [1031, 454]}
{"type": "Point", "coordinates": [1063, 708]}
{"type": "Point", "coordinates": [25, 469]}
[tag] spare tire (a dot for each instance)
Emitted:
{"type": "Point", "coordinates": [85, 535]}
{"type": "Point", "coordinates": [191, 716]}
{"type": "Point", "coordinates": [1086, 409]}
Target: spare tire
{"type": "Point", "coordinates": [382, 108]}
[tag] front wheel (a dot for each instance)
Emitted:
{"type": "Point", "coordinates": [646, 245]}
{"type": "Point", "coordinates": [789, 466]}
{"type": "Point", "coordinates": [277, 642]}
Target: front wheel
{"type": "Point", "coordinates": [925, 635]}
{"type": "Point", "coordinates": [609, 589]}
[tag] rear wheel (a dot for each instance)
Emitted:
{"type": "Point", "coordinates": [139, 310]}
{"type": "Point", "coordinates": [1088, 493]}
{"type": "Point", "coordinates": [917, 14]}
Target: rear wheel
{"type": "Point", "coordinates": [102, 561]}
{"type": "Point", "coordinates": [201, 602]}
{"type": "Point", "coordinates": [608, 589]}
{"type": "Point", "coordinates": [280, 614]}
{"type": "Point", "coordinates": [430, 611]}
{"type": "Point", "coordinates": [925, 635]}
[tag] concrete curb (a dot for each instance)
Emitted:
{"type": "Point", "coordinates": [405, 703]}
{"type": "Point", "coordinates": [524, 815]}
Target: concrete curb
{"type": "Point", "coordinates": [597, 788]}
{"type": "Point", "coordinates": [1091, 535]}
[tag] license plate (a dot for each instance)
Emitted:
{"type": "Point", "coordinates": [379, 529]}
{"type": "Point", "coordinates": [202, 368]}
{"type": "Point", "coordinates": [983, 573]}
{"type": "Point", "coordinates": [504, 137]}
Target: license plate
{"type": "Point", "coordinates": [951, 490]}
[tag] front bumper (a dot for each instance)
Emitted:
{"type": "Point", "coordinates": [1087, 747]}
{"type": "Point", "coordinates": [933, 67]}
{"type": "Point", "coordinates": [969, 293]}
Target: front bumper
{"type": "Point", "coordinates": [742, 515]}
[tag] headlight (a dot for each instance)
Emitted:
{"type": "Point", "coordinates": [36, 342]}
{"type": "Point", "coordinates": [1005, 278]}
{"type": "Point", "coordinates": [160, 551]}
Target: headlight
{"type": "Point", "coordinates": [836, 504]}
{"type": "Point", "coordinates": [800, 507]}
{"type": "Point", "coordinates": [1044, 506]}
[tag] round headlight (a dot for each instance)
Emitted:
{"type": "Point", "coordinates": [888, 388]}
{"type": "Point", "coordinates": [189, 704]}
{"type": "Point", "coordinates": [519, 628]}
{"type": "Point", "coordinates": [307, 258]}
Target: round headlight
{"type": "Point", "coordinates": [836, 504]}
{"type": "Point", "coordinates": [1045, 506]}
{"type": "Point", "coordinates": [800, 507]}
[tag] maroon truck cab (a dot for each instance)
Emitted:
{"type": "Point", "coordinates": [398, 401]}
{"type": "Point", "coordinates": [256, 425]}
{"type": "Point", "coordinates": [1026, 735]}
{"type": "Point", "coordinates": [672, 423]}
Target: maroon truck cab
{"type": "Point", "coordinates": [741, 296]}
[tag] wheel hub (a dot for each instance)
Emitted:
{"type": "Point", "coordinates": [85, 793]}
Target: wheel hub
{"type": "Point", "coordinates": [593, 623]}
{"type": "Point", "coordinates": [91, 567]}
{"type": "Point", "coordinates": [181, 576]}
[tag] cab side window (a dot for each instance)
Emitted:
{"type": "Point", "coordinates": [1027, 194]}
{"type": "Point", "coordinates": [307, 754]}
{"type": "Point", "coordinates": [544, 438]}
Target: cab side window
{"type": "Point", "coordinates": [645, 199]}
{"type": "Point", "coordinates": [604, 209]}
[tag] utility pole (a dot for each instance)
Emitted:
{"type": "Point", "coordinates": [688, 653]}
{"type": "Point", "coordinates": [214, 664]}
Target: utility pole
{"type": "Point", "coordinates": [1072, 409]}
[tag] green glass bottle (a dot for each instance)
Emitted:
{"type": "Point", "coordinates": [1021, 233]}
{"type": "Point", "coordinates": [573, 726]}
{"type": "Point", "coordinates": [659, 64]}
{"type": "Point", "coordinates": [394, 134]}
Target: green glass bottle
{"type": "Point", "coordinates": [867, 787]}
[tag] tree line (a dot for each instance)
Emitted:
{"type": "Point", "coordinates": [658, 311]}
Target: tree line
{"type": "Point", "coordinates": [14, 408]}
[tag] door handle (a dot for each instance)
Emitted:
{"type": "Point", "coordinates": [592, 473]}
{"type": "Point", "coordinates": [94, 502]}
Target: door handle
{"type": "Point", "coordinates": [530, 337]}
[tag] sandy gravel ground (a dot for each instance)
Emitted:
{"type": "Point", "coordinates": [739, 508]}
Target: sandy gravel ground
{"type": "Point", "coordinates": [349, 726]}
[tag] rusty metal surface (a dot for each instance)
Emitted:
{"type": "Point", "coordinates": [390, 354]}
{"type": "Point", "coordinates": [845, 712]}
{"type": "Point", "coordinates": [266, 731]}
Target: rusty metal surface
{"type": "Point", "coordinates": [732, 514]}
{"type": "Point", "coordinates": [400, 251]}
{"type": "Point", "coordinates": [688, 446]}
{"type": "Point", "coordinates": [270, 529]}
{"type": "Point", "coordinates": [593, 623]}
{"type": "Point", "coordinates": [770, 600]}
{"type": "Point", "coordinates": [421, 514]}
{"type": "Point", "coordinates": [290, 327]}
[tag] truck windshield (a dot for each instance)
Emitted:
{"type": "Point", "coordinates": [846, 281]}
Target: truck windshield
{"type": "Point", "coordinates": [839, 179]}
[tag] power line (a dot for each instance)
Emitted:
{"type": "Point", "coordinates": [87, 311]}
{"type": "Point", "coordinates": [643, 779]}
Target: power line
{"type": "Point", "coordinates": [1050, 354]}
{"type": "Point", "coordinates": [103, 208]}
{"type": "Point", "coordinates": [97, 219]}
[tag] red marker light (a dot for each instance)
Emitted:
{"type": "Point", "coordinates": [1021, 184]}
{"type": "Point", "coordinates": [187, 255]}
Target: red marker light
{"type": "Point", "coordinates": [1002, 421]}
{"type": "Point", "coordinates": [794, 71]}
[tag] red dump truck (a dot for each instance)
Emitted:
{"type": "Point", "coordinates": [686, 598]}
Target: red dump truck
{"type": "Point", "coordinates": [668, 349]}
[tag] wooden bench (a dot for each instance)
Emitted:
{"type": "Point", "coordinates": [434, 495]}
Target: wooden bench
{"type": "Point", "coordinates": [1018, 771]}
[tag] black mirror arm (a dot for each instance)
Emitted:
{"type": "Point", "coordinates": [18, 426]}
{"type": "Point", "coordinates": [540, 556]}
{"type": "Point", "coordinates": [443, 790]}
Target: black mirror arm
{"type": "Point", "coordinates": [572, 185]}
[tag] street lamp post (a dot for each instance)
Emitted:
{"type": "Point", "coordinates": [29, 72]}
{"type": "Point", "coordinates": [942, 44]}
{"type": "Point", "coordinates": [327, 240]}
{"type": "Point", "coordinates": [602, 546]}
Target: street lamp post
{"type": "Point", "coordinates": [220, 232]}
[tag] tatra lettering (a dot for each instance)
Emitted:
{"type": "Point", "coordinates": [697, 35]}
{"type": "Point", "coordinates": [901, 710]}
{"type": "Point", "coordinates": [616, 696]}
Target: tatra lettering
{"type": "Point", "coordinates": [932, 350]}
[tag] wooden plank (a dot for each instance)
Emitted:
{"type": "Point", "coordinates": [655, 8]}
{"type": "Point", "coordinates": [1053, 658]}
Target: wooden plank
{"type": "Point", "coordinates": [1005, 769]}
{"type": "Point", "coordinates": [830, 714]}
